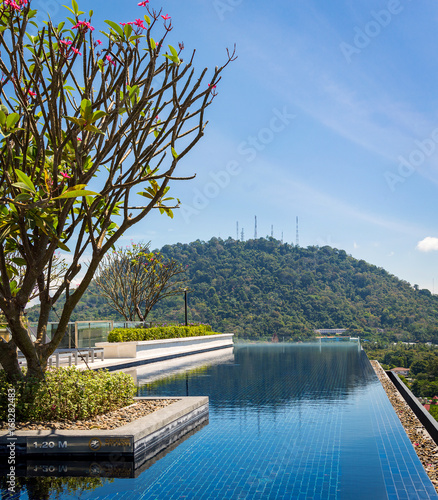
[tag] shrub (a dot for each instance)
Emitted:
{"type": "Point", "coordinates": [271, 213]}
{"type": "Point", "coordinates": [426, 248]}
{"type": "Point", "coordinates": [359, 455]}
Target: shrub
{"type": "Point", "coordinates": [158, 333]}
{"type": "Point", "coordinates": [67, 394]}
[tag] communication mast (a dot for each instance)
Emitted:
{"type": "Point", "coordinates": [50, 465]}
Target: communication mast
{"type": "Point", "coordinates": [297, 241]}
{"type": "Point", "coordinates": [242, 235]}
{"type": "Point", "coordinates": [272, 230]}
{"type": "Point", "coordinates": [255, 227]}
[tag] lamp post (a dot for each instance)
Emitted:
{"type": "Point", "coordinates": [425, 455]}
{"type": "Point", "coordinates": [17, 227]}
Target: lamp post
{"type": "Point", "coordinates": [185, 304]}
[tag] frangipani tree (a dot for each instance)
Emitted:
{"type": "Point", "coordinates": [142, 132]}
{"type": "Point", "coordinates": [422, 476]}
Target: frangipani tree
{"type": "Point", "coordinates": [134, 279]}
{"type": "Point", "coordinates": [89, 124]}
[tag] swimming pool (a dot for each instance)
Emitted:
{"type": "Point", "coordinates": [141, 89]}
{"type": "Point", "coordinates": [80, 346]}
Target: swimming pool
{"type": "Point", "coordinates": [298, 421]}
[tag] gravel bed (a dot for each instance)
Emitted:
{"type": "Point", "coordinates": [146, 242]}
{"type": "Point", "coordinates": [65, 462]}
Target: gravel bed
{"type": "Point", "coordinates": [424, 445]}
{"type": "Point", "coordinates": [107, 421]}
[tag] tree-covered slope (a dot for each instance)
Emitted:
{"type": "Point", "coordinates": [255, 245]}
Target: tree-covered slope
{"type": "Point", "coordinates": [258, 287]}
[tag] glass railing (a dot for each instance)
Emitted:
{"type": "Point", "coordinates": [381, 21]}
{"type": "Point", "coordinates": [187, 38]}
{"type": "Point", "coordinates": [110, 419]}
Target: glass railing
{"type": "Point", "coordinates": [84, 333]}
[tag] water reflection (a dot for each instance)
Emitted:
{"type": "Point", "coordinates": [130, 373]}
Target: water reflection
{"type": "Point", "coordinates": [44, 488]}
{"type": "Point", "coordinates": [269, 376]}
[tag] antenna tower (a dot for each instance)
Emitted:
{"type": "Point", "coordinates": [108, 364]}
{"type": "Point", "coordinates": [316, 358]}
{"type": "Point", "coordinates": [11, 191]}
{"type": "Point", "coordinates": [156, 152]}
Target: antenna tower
{"type": "Point", "coordinates": [255, 227]}
{"type": "Point", "coordinates": [242, 235]}
{"type": "Point", "coordinates": [281, 237]}
{"type": "Point", "coordinates": [297, 242]}
{"type": "Point", "coordinates": [272, 230]}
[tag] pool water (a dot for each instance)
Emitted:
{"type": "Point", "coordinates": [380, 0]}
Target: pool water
{"type": "Point", "coordinates": [299, 421]}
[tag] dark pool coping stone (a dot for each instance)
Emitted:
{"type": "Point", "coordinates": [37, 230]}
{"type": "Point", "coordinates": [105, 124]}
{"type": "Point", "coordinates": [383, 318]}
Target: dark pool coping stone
{"type": "Point", "coordinates": [429, 423]}
{"type": "Point", "coordinates": [140, 440]}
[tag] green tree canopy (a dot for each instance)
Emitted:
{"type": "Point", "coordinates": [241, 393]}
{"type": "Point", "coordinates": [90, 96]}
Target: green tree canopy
{"type": "Point", "coordinates": [92, 134]}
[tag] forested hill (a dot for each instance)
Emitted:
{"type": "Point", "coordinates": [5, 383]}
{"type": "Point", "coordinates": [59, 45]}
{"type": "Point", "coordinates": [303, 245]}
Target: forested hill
{"type": "Point", "coordinates": [258, 287]}
{"type": "Point", "coordinates": [262, 286]}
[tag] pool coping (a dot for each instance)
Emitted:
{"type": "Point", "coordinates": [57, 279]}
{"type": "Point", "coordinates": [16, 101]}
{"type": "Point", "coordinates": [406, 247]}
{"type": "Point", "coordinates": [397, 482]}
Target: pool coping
{"type": "Point", "coordinates": [140, 440]}
{"type": "Point", "coordinates": [429, 423]}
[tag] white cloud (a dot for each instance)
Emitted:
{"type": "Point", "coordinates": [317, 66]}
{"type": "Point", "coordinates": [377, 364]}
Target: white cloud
{"type": "Point", "coordinates": [428, 244]}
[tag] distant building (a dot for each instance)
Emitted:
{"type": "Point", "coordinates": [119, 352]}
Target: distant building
{"type": "Point", "coordinates": [401, 371]}
{"type": "Point", "coordinates": [330, 331]}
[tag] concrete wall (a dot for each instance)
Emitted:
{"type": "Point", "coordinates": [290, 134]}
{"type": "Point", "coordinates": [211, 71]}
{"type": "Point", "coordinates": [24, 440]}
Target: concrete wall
{"type": "Point", "coordinates": [163, 348]}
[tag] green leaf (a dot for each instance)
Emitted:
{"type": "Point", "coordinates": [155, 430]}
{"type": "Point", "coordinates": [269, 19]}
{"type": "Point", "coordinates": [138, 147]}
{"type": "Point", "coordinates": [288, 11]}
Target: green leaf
{"type": "Point", "coordinates": [92, 128]}
{"type": "Point", "coordinates": [62, 246]}
{"type": "Point", "coordinates": [19, 261]}
{"type": "Point", "coordinates": [24, 178]}
{"type": "Point", "coordinates": [146, 195]}
{"type": "Point", "coordinates": [173, 51]}
{"type": "Point", "coordinates": [72, 11]}
{"type": "Point", "coordinates": [12, 119]}
{"type": "Point", "coordinates": [78, 121]}
{"type": "Point", "coordinates": [173, 58]}
{"type": "Point", "coordinates": [22, 185]}
{"type": "Point", "coordinates": [75, 7]}
{"type": "Point", "coordinates": [86, 110]}
{"type": "Point", "coordinates": [23, 197]}
{"type": "Point", "coordinates": [128, 30]}
{"type": "Point", "coordinates": [75, 194]}
{"type": "Point", "coordinates": [2, 118]}
{"type": "Point", "coordinates": [153, 44]}
{"type": "Point", "coordinates": [174, 153]}
{"type": "Point", "coordinates": [134, 38]}
{"type": "Point", "coordinates": [97, 115]}
{"type": "Point", "coordinates": [118, 29]}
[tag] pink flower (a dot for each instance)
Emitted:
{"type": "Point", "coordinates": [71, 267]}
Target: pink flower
{"type": "Point", "coordinates": [108, 58]}
{"type": "Point", "coordinates": [84, 26]}
{"type": "Point", "coordinates": [212, 86]}
{"type": "Point", "coordinates": [98, 42]}
{"type": "Point", "coordinates": [139, 22]}
{"type": "Point", "coordinates": [66, 42]}
{"type": "Point", "coordinates": [66, 176]}
{"type": "Point", "coordinates": [76, 51]}
{"type": "Point", "coordinates": [33, 94]}
{"type": "Point", "coordinates": [166, 17]}
{"type": "Point", "coordinates": [12, 4]}
{"type": "Point", "coordinates": [143, 4]}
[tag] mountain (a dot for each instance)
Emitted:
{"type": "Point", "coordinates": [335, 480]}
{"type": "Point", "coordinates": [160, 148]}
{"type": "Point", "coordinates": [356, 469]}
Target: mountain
{"type": "Point", "coordinates": [258, 287]}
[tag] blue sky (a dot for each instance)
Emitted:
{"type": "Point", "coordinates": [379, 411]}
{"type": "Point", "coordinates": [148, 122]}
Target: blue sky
{"type": "Point", "coordinates": [330, 113]}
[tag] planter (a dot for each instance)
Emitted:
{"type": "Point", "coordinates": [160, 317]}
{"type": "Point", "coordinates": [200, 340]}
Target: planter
{"type": "Point", "coordinates": [135, 442]}
{"type": "Point", "coordinates": [165, 348]}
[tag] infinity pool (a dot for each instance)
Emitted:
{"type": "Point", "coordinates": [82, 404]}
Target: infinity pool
{"type": "Point", "coordinates": [299, 421]}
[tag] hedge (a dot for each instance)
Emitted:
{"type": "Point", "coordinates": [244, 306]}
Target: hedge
{"type": "Point", "coordinates": [158, 333]}
{"type": "Point", "coordinates": [67, 394]}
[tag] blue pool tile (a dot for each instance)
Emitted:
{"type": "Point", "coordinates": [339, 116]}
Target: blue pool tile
{"type": "Point", "coordinates": [286, 422]}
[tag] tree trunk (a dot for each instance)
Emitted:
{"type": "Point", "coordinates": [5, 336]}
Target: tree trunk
{"type": "Point", "coordinates": [9, 361]}
{"type": "Point", "coordinates": [35, 357]}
